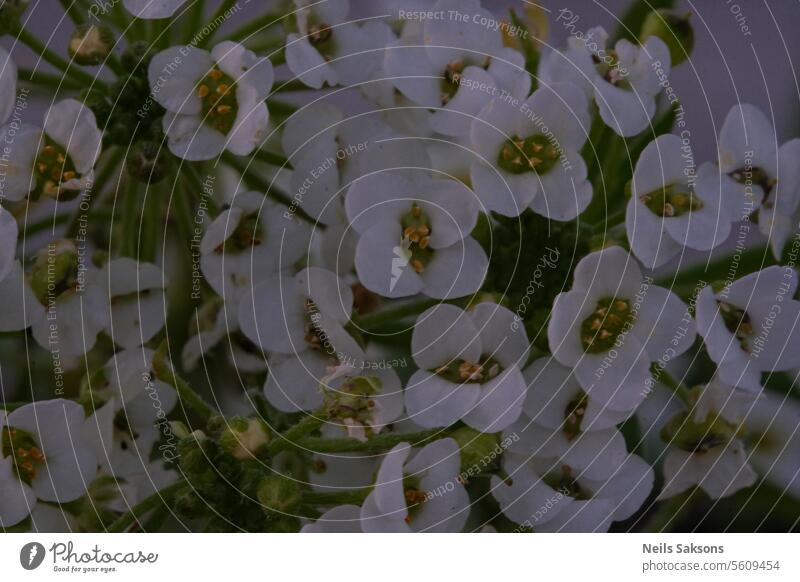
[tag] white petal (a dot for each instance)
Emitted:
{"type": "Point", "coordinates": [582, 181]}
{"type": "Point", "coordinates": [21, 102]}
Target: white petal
{"type": "Point", "coordinates": [307, 64]}
{"type": "Point", "coordinates": [191, 139]}
{"type": "Point", "coordinates": [442, 334]}
{"type": "Point", "coordinates": [499, 402]}
{"type": "Point", "coordinates": [432, 401]}
{"type": "Point", "coordinates": [174, 75]}
{"type": "Point", "coordinates": [455, 271]}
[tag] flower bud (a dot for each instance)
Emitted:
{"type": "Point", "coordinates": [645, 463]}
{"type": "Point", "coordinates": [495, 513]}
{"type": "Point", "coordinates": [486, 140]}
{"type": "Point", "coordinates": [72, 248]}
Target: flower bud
{"type": "Point", "coordinates": [674, 29]}
{"type": "Point", "coordinates": [90, 44]}
{"type": "Point", "coordinates": [148, 162]}
{"type": "Point", "coordinates": [280, 494]}
{"type": "Point", "coordinates": [478, 450]}
{"type": "Point", "coordinates": [245, 438]}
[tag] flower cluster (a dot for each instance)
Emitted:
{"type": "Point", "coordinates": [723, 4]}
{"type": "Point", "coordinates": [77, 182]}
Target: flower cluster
{"type": "Point", "coordinates": [321, 270]}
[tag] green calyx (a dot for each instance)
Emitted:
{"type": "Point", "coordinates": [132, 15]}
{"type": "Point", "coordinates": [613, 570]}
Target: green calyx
{"type": "Point", "coordinates": [416, 238]}
{"type": "Point", "coordinates": [610, 319]}
{"type": "Point", "coordinates": [279, 494]}
{"type": "Point", "coordinates": [535, 153]}
{"type": "Point", "coordinates": [692, 436]}
{"type": "Point", "coordinates": [671, 201]}
{"type": "Point", "coordinates": [466, 372]}
{"type": "Point", "coordinates": [218, 96]}
{"type": "Point", "coordinates": [55, 271]}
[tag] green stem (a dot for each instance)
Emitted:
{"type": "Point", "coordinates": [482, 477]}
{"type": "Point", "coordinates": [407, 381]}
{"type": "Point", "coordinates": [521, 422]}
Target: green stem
{"type": "Point", "coordinates": [150, 221]}
{"type": "Point", "coordinates": [194, 20]}
{"type": "Point", "coordinates": [165, 372]}
{"type": "Point", "coordinates": [258, 24]}
{"type": "Point", "coordinates": [195, 181]}
{"type": "Point", "coordinates": [159, 498]}
{"type": "Point", "coordinates": [272, 159]}
{"type": "Point", "coordinates": [281, 108]}
{"type": "Point", "coordinates": [131, 216]}
{"type": "Point", "coordinates": [661, 375]}
{"type": "Point", "coordinates": [106, 171]}
{"type": "Point", "coordinates": [47, 80]}
{"type": "Point", "coordinates": [51, 57]}
{"type": "Point", "coordinates": [290, 86]}
{"type": "Point", "coordinates": [376, 320]}
{"type": "Point", "coordinates": [72, 9]}
{"type": "Point", "coordinates": [224, 7]}
{"type": "Point", "coordinates": [376, 444]}
{"type": "Point", "coordinates": [335, 497]}
{"type": "Point", "coordinates": [306, 426]}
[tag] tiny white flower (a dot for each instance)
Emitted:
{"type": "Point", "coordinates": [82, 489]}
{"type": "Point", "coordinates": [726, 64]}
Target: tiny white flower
{"type": "Point", "coordinates": [326, 47]}
{"type": "Point", "coordinates": [705, 449]}
{"type": "Point", "coordinates": [301, 322]}
{"type": "Point", "coordinates": [152, 9]}
{"type": "Point", "coordinates": [8, 85]}
{"type": "Point", "coordinates": [249, 242]}
{"type": "Point", "coordinates": [469, 368]}
{"type": "Point", "coordinates": [415, 235]}
{"type": "Point", "coordinates": [529, 154]}
{"type": "Point", "coordinates": [624, 80]}
{"type": "Point", "coordinates": [775, 440]}
{"type": "Point", "coordinates": [137, 297]}
{"type": "Point", "coordinates": [454, 65]}
{"type": "Point", "coordinates": [420, 494]}
{"type": "Point", "coordinates": [54, 161]}
{"type": "Point", "coordinates": [758, 173]}
{"type": "Point", "coordinates": [613, 324]}
{"type": "Point", "coordinates": [673, 206]}
{"type": "Point", "coordinates": [552, 496]}
{"type": "Point", "coordinates": [750, 326]}
{"type": "Point", "coordinates": [45, 456]}
{"type": "Point", "coordinates": [215, 100]}
{"type": "Point", "coordinates": [8, 241]}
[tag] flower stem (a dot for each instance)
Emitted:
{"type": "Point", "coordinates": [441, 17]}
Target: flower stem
{"type": "Point", "coordinates": [37, 77]}
{"type": "Point", "coordinates": [661, 375]}
{"type": "Point", "coordinates": [110, 166]}
{"type": "Point", "coordinates": [375, 320]}
{"type": "Point", "coordinates": [306, 426]}
{"type": "Point", "coordinates": [163, 497]}
{"type": "Point", "coordinates": [272, 159]}
{"type": "Point", "coordinates": [71, 8]}
{"type": "Point", "coordinates": [335, 497]}
{"type": "Point", "coordinates": [376, 444]}
{"type": "Point", "coordinates": [165, 372]}
{"type": "Point", "coordinates": [216, 19]}
{"type": "Point", "coordinates": [258, 24]}
{"type": "Point", "coordinates": [78, 75]}
{"type": "Point", "coordinates": [131, 217]}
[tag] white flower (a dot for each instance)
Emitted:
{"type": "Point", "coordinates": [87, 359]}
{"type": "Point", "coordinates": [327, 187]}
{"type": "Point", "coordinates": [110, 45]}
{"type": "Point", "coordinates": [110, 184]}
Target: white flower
{"type": "Point", "coordinates": [214, 101]}
{"type": "Point", "coordinates": [469, 368]}
{"type": "Point", "coordinates": [136, 293]}
{"type": "Point", "coordinates": [414, 235]}
{"type": "Point", "coordinates": [706, 451]}
{"type": "Point", "coordinates": [45, 456]}
{"type": "Point", "coordinates": [56, 161]}
{"type": "Point", "coordinates": [152, 9]}
{"type": "Point", "coordinates": [249, 242]}
{"type": "Point", "coordinates": [421, 494]}
{"type": "Point", "coordinates": [613, 324]}
{"type": "Point", "coordinates": [455, 65]}
{"type": "Point", "coordinates": [327, 48]}
{"type": "Point", "coordinates": [8, 241]}
{"type": "Point", "coordinates": [672, 206]}
{"type": "Point", "coordinates": [624, 81]}
{"type": "Point", "coordinates": [301, 322]}
{"type": "Point", "coordinates": [772, 429]}
{"type": "Point", "coordinates": [8, 85]}
{"type": "Point", "coordinates": [553, 496]}
{"type": "Point", "coordinates": [752, 163]}
{"type": "Point", "coordinates": [751, 326]}
{"type": "Point", "coordinates": [340, 519]}
{"type": "Point", "coordinates": [530, 154]}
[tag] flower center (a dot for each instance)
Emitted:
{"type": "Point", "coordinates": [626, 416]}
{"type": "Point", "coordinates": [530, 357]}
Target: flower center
{"type": "Point", "coordinates": [535, 153]}
{"type": "Point", "coordinates": [573, 415]}
{"type": "Point", "coordinates": [466, 372]}
{"type": "Point", "coordinates": [53, 167]}
{"type": "Point", "coordinates": [54, 274]}
{"type": "Point", "coordinates": [353, 403]}
{"type": "Point", "coordinates": [749, 176]}
{"type": "Point", "coordinates": [246, 235]}
{"type": "Point", "coordinates": [568, 485]}
{"type": "Point", "coordinates": [319, 34]}
{"type": "Point", "coordinates": [451, 80]}
{"type": "Point", "coordinates": [218, 97]}
{"type": "Point", "coordinates": [609, 69]}
{"type": "Point", "coordinates": [610, 319]}
{"type": "Point", "coordinates": [416, 238]}
{"type": "Point", "coordinates": [414, 496]}
{"type": "Point", "coordinates": [689, 435]}
{"type": "Point", "coordinates": [737, 321]}
{"type": "Point", "coordinates": [25, 452]}
{"type": "Point", "coordinates": [313, 332]}
{"type": "Point", "coordinates": [670, 201]}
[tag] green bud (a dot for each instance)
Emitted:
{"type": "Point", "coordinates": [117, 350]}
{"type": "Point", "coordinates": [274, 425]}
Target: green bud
{"type": "Point", "coordinates": [279, 494]}
{"type": "Point", "coordinates": [148, 162]}
{"type": "Point", "coordinates": [479, 450]}
{"type": "Point", "coordinates": [245, 438]}
{"type": "Point", "coordinates": [90, 44]}
{"type": "Point", "coordinates": [179, 429]}
{"type": "Point", "coordinates": [674, 29]}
